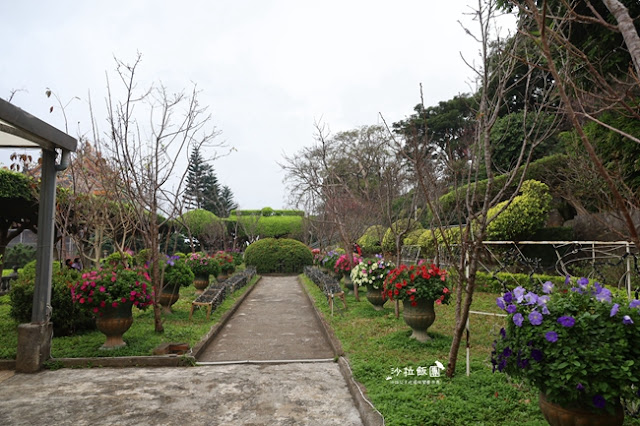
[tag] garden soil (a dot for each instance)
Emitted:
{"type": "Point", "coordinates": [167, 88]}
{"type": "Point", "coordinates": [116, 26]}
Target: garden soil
{"type": "Point", "coordinates": [277, 369]}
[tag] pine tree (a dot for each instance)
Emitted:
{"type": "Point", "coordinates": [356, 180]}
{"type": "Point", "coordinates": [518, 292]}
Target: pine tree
{"type": "Point", "coordinates": [203, 190]}
{"type": "Point", "coordinates": [201, 181]}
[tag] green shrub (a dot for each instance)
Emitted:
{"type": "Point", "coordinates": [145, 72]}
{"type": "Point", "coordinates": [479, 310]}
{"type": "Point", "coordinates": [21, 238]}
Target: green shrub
{"type": "Point", "coordinates": [371, 241]}
{"type": "Point", "coordinates": [537, 170]}
{"type": "Point", "coordinates": [523, 217]}
{"type": "Point", "coordinates": [66, 316]}
{"type": "Point", "coordinates": [282, 255]}
{"type": "Point", "coordinates": [428, 245]}
{"type": "Point", "coordinates": [412, 238]}
{"type": "Point", "coordinates": [117, 258]}
{"type": "Point", "coordinates": [177, 273]}
{"type": "Point", "coordinates": [142, 257]}
{"type": "Point", "coordinates": [493, 283]}
{"type": "Point", "coordinates": [270, 227]}
{"type": "Point", "coordinates": [389, 239]}
{"type": "Point", "coordinates": [19, 255]}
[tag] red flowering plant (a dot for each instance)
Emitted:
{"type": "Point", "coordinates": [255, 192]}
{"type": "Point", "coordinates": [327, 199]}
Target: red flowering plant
{"type": "Point", "coordinates": [112, 286]}
{"type": "Point", "coordinates": [343, 266]}
{"type": "Point", "coordinates": [225, 260]}
{"type": "Point", "coordinates": [417, 282]}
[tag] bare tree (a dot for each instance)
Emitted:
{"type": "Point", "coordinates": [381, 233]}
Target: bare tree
{"type": "Point", "coordinates": [496, 78]}
{"type": "Point", "coordinates": [149, 152]}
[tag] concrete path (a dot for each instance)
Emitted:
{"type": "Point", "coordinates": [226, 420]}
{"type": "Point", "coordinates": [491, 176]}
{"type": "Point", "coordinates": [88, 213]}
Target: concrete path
{"type": "Point", "coordinates": [274, 322]}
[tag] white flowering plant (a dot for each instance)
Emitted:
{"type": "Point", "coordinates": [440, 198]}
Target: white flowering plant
{"type": "Point", "coordinates": [371, 272]}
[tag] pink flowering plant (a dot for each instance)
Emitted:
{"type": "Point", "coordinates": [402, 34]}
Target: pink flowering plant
{"type": "Point", "coordinates": [579, 345]}
{"type": "Point", "coordinates": [371, 272]}
{"type": "Point", "coordinates": [201, 264]}
{"type": "Point", "coordinates": [111, 286]}
{"type": "Point", "coordinates": [225, 260]}
{"type": "Point", "coordinates": [343, 266]}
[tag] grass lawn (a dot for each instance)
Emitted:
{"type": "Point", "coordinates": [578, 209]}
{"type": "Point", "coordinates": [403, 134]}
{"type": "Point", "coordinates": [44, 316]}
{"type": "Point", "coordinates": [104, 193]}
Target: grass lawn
{"type": "Point", "coordinates": [141, 338]}
{"type": "Point", "coordinates": [386, 361]}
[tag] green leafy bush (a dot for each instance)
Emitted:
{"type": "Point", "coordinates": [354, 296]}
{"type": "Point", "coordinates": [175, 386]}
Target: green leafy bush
{"type": "Point", "coordinates": [389, 239]}
{"type": "Point", "coordinates": [282, 255]}
{"type": "Point", "coordinates": [19, 255]}
{"type": "Point", "coordinates": [428, 244]}
{"type": "Point", "coordinates": [371, 241]}
{"type": "Point", "coordinates": [523, 217]}
{"type": "Point", "coordinates": [66, 316]}
{"type": "Point", "coordinates": [538, 170]}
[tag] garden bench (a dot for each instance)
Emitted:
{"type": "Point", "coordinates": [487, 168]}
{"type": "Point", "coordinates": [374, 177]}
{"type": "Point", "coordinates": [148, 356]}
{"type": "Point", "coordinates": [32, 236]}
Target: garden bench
{"type": "Point", "coordinates": [330, 287]}
{"type": "Point", "coordinates": [215, 294]}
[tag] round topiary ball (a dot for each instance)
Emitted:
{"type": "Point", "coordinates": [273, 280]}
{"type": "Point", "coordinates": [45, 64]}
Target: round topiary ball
{"type": "Point", "coordinates": [278, 255]}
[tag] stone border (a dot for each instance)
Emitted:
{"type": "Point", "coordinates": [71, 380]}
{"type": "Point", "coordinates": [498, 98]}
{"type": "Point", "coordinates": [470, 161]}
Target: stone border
{"type": "Point", "coordinates": [145, 361]}
{"type": "Point", "coordinates": [368, 414]}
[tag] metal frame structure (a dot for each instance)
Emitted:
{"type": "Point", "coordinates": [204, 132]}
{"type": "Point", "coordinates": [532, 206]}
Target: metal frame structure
{"type": "Point", "coordinates": [19, 129]}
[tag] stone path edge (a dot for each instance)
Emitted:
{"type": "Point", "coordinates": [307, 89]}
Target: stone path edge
{"type": "Point", "coordinates": [147, 361]}
{"type": "Point", "coordinates": [369, 415]}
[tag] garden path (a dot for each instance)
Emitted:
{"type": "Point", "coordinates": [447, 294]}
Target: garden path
{"type": "Point", "coordinates": [275, 322]}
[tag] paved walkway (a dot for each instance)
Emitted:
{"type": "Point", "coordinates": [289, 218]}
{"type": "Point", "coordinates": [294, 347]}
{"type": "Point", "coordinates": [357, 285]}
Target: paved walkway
{"type": "Point", "coordinates": [236, 394]}
{"type": "Point", "coordinates": [276, 322]}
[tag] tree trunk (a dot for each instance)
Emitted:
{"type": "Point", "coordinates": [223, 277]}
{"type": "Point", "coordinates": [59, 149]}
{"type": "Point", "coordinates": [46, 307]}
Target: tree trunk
{"type": "Point", "coordinates": [628, 30]}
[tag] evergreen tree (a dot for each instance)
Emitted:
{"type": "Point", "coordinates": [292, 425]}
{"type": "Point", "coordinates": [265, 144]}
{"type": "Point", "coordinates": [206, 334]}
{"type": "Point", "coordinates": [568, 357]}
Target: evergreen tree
{"type": "Point", "coordinates": [203, 191]}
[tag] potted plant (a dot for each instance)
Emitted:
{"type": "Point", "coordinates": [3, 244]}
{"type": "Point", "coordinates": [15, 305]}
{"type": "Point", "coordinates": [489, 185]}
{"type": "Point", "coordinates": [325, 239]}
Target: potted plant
{"type": "Point", "coordinates": [176, 274]}
{"type": "Point", "coordinates": [418, 286]}
{"type": "Point", "coordinates": [578, 344]}
{"type": "Point", "coordinates": [372, 273]}
{"type": "Point", "coordinates": [329, 260]}
{"type": "Point", "coordinates": [227, 265]}
{"type": "Point", "coordinates": [203, 267]}
{"type": "Point", "coordinates": [109, 293]}
{"type": "Point", "coordinates": [343, 268]}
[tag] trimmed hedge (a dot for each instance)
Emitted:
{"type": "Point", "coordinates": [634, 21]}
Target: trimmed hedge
{"type": "Point", "coordinates": [269, 210]}
{"type": "Point", "coordinates": [526, 214]}
{"type": "Point", "coordinates": [493, 283]}
{"type": "Point", "coordinates": [269, 226]}
{"type": "Point", "coordinates": [283, 255]}
{"type": "Point", "coordinates": [543, 170]}
{"type": "Point", "coordinates": [15, 185]}
{"type": "Point", "coordinates": [371, 241]}
{"type": "Point", "coordinates": [389, 239]}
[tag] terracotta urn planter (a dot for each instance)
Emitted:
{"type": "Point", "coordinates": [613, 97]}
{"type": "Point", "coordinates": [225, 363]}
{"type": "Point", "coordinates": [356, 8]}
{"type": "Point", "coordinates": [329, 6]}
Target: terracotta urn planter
{"type": "Point", "coordinates": [114, 323]}
{"type": "Point", "coordinates": [558, 415]}
{"type": "Point", "coordinates": [419, 318]}
{"type": "Point", "coordinates": [201, 282]}
{"type": "Point", "coordinates": [168, 297]}
{"type": "Point", "coordinates": [374, 296]}
{"type": "Point", "coordinates": [348, 283]}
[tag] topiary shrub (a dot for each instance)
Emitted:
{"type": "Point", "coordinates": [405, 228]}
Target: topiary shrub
{"type": "Point", "coordinates": [428, 245]}
{"type": "Point", "coordinates": [66, 316]}
{"type": "Point", "coordinates": [389, 239]}
{"type": "Point", "coordinates": [523, 217]}
{"type": "Point", "coordinates": [371, 241]}
{"type": "Point", "coordinates": [283, 255]}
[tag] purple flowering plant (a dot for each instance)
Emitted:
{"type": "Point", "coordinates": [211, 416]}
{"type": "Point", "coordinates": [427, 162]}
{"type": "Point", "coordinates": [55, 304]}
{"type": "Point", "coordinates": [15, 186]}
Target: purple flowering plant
{"type": "Point", "coordinates": [578, 344]}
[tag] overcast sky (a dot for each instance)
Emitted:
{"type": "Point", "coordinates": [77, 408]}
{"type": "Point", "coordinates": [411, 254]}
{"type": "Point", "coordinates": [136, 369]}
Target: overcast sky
{"type": "Point", "coordinates": [267, 69]}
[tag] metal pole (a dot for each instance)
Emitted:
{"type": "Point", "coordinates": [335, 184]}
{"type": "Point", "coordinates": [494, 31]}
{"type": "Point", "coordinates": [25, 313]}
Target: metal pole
{"type": "Point", "coordinates": [629, 270]}
{"type": "Point", "coordinates": [44, 252]}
